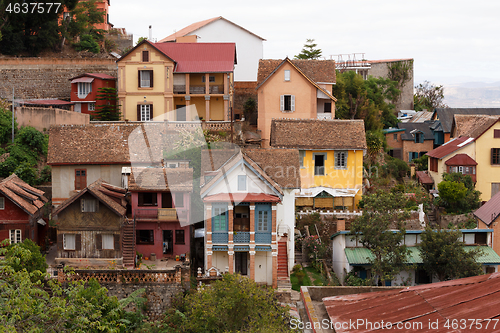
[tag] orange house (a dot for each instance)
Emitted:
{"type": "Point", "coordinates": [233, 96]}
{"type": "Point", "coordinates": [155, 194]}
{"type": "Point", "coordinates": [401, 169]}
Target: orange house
{"type": "Point", "coordinates": [103, 6]}
{"type": "Point", "coordinates": [294, 89]}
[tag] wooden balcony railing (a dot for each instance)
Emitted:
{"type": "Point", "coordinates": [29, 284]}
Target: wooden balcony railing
{"type": "Point", "coordinates": [161, 214]}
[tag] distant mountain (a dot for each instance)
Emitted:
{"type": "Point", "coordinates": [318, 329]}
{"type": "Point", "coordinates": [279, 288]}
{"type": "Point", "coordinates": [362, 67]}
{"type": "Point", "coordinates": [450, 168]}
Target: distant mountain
{"type": "Point", "coordinates": [472, 95]}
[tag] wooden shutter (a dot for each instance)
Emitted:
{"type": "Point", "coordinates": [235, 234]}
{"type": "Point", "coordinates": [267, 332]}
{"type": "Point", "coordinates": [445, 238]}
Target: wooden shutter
{"type": "Point", "coordinates": [59, 241]}
{"type": "Point", "coordinates": [138, 113]}
{"type": "Point", "coordinates": [151, 79]}
{"type": "Point", "coordinates": [292, 98]}
{"type": "Point", "coordinates": [282, 102]}
{"type": "Point", "coordinates": [496, 134]}
{"type": "Point", "coordinates": [138, 78]}
{"type": "Point", "coordinates": [98, 241]}
{"type": "Point", "coordinates": [151, 110]}
{"type": "Point", "coordinates": [145, 56]}
{"type": "Point", "coordinates": [78, 242]}
{"type": "Point", "coordinates": [116, 239]}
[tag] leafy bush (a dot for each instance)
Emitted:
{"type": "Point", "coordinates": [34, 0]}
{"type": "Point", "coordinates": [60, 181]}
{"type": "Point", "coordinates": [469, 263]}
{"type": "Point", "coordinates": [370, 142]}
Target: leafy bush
{"type": "Point", "coordinates": [27, 173]}
{"type": "Point", "coordinates": [457, 194]}
{"type": "Point", "coordinates": [395, 167]}
{"type": "Point", "coordinates": [6, 125]}
{"type": "Point", "coordinates": [87, 43]}
{"type": "Point", "coordinates": [30, 137]}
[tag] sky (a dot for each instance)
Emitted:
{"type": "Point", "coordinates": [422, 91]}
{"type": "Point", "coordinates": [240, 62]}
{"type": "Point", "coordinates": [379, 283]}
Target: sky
{"type": "Point", "coordinates": [450, 41]}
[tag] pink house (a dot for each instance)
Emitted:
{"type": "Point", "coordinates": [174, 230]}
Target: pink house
{"type": "Point", "coordinates": [161, 200]}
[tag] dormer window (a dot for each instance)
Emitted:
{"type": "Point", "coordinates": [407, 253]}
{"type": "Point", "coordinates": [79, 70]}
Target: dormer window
{"type": "Point", "coordinates": [419, 137]}
{"type": "Point", "coordinates": [84, 88]}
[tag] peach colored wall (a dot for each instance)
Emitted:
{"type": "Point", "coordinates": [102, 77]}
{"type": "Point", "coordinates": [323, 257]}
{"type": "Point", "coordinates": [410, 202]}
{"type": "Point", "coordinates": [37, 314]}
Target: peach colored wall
{"type": "Point", "coordinates": [43, 118]}
{"type": "Point", "coordinates": [486, 173]}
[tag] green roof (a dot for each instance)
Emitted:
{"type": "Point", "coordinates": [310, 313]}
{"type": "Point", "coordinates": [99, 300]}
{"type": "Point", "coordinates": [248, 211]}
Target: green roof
{"type": "Point", "coordinates": [362, 256]}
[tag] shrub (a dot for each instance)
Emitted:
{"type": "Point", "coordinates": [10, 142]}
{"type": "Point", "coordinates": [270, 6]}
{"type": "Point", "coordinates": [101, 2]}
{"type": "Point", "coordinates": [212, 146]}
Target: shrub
{"type": "Point", "coordinates": [87, 43]}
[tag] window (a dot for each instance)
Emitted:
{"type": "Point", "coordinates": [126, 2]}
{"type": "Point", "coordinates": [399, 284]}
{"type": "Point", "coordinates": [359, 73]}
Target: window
{"type": "Point", "coordinates": [480, 238]}
{"type": "Point", "coordinates": [15, 236]}
{"type": "Point", "coordinates": [179, 237]}
{"type": "Point", "coordinates": [179, 199]}
{"type": "Point", "coordinates": [108, 241]}
{"type": "Point", "coordinates": [395, 136]}
{"type": "Point", "coordinates": [145, 79]}
{"type": "Point", "coordinates": [242, 182]}
{"type": "Point", "coordinates": [421, 277]}
{"type": "Point", "coordinates": [69, 241]}
{"type": "Point", "coordinates": [80, 179]}
{"type": "Point", "coordinates": [2, 203]}
{"type": "Point", "coordinates": [496, 133]}
{"type": "Point", "coordinates": [341, 160]}
{"type": "Point", "coordinates": [495, 155]}
{"type": "Point", "coordinates": [419, 137]}
{"type": "Point", "coordinates": [147, 199]}
{"type": "Point", "coordinates": [89, 205]}
{"type": "Point", "coordinates": [84, 88]}
{"type": "Point", "coordinates": [91, 106]}
{"type": "Point", "coordinates": [495, 188]}
{"type": "Point", "coordinates": [211, 78]}
{"type": "Point", "coordinates": [287, 75]}
{"type": "Point", "coordinates": [328, 107]}
{"type": "Point", "coordinates": [302, 154]}
{"type": "Point", "coordinates": [433, 163]}
{"type": "Point", "coordinates": [144, 112]}
{"type": "Point", "coordinates": [172, 165]}
{"type": "Point", "coordinates": [219, 217]}
{"type": "Point", "coordinates": [263, 216]}
{"type": "Point", "coordinates": [145, 237]}
{"type": "Point", "coordinates": [412, 155]}
{"type": "Point", "coordinates": [287, 103]}
{"type": "Point", "coordinates": [145, 56]}
{"type": "Point", "coordinates": [319, 164]}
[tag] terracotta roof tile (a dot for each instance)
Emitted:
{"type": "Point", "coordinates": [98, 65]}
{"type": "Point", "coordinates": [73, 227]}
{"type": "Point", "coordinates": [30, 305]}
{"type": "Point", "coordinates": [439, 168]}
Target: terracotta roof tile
{"type": "Point", "coordinates": [319, 71]}
{"type": "Point", "coordinates": [472, 125]}
{"type": "Point", "coordinates": [22, 194]}
{"type": "Point", "coordinates": [446, 115]}
{"type": "Point", "coordinates": [161, 179]}
{"type": "Point", "coordinates": [318, 134]}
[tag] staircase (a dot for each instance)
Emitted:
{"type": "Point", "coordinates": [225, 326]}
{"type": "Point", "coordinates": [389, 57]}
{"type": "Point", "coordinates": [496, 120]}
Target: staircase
{"type": "Point", "coordinates": [128, 244]}
{"type": "Point", "coordinates": [282, 258]}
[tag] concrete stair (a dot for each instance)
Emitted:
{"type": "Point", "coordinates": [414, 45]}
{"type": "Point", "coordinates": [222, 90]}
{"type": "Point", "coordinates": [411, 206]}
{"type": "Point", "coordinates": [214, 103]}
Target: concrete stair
{"type": "Point", "coordinates": [128, 244]}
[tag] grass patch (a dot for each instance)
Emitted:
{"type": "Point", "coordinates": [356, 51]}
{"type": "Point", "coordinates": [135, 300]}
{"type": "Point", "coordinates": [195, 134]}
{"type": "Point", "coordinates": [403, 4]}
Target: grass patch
{"type": "Point", "coordinates": [295, 280]}
{"type": "Point", "coordinates": [317, 277]}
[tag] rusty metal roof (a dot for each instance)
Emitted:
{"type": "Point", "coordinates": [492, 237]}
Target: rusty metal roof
{"type": "Point", "coordinates": [461, 159]}
{"type": "Point", "coordinates": [466, 299]}
{"type": "Point", "coordinates": [449, 147]}
{"type": "Point", "coordinates": [490, 211]}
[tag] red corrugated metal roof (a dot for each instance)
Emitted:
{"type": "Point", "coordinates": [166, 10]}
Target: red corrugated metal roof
{"type": "Point", "coordinates": [490, 211]}
{"type": "Point", "coordinates": [470, 298]}
{"type": "Point", "coordinates": [449, 147]}
{"type": "Point", "coordinates": [200, 57]}
{"type": "Point", "coordinates": [460, 160]}
{"type": "Point", "coordinates": [84, 79]}
{"type": "Point", "coordinates": [424, 177]}
{"type": "Point", "coordinates": [242, 197]}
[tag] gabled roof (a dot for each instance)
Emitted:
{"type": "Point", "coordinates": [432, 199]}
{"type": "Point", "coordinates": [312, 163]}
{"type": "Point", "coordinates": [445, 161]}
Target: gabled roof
{"type": "Point", "coordinates": [95, 75]}
{"type": "Point", "coordinates": [445, 116]}
{"type": "Point", "coordinates": [28, 198]}
{"type": "Point", "coordinates": [112, 196]}
{"type": "Point", "coordinates": [314, 71]}
{"type": "Point", "coordinates": [472, 125]}
{"type": "Point", "coordinates": [411, 128]}
{"type": "Point", "coordinates": [416, 307]}
{"type": "Point", "coordinates": [190, 29]}
{"type": "Point", "coordinates": [161, 179]}
{"type": "Point", "coordinates": [490, 211]}
{"type": "Point", "coordinates": [461, 159]}
{"type": "Point", "coordinates": [318, 134]}
{"type": "Point", "coordinates": [450, 147]}
{"type": "Point", "coordinates": [231, 164]}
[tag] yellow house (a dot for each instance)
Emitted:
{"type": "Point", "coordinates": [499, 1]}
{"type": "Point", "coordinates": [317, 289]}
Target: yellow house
{"type": "Point", "coordinates": [182, 81]}
{"type": "Point", "coordinates": [331, 159]}
{"type": "Point", "coordinates": [488, 161]}
{"type": "Point", "coordinates": [294, 89]}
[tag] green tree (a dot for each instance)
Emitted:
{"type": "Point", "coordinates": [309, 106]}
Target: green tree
{"type": "Point", "coordinates": [445, 257]}
{"type": "Point", "coordinates": [6, 124]}
{"type": "Point", "coordinates": [233, 304]}
{"type": "Point", "coordinates": [30, 260]}
{"type": "Point", "coordinates": [309, 51]}
{"type": "Point", "coordinates": [109, 110]}
{"type": "Point", "coordinates": [381, 229]}
{"type": "Point", "coordinates": [81, 23]}
{"type": "Point", "coordinates": [457, 193]}
{"type": "Point", "coordinates": [140, 39]}
{"type": "Point", "coordinates": [428, 96]}
{"type": "Point", "coordinates": [421, 163]}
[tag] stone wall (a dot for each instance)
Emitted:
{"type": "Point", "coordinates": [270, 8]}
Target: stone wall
{"type": "Point", "coordinates": [43, 118]}
{"type": "Point", "coordinates": [161, 285]}
{"type": "Point", "coordinates": [445, 220]}
{"type": "Point", "coordinates": [38, 78]}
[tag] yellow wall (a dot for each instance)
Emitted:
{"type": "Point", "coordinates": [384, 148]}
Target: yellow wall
{"type": "Point", "coordinates": [470, 150]}
{"type": "Point", "coordinates": [349, 178]}
{"type": "Point", "coordinates": [486, 173]}
{"type": "Point", "coordinates": [269, 99]}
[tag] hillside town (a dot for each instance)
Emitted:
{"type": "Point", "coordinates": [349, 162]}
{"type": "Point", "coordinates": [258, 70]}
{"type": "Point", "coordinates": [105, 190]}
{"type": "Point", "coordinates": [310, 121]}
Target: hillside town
{"type": "Point", "coordinates": [188, 184]}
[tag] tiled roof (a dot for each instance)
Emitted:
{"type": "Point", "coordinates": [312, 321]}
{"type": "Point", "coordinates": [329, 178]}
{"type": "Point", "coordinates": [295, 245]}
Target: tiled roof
{"type": "Point", "coordinates": [445, 116]}
{"type": "Point", "coordinates": [472, 125]}
{"type": "Point", "coordinates": [461, 159]}
{"type": "Point", "coordinates": [318, 134]}
{"type": "Point", "coordinates": [197, 25]}
{"type": "Point", "coordinates": [28, 198]}
{"type": "Point", "coordinates": [417, 307]}
{"type": "Point", "coordinates": [490, 211]}
{"type": "Point", "coordinates": [95, 75]}
{"type": "Point", "coordinates": [112, 196]}
{"type": "Point", "coordinates": [213, 159]}
{"type": "Point", "coordinates": [413, 127]}
{"type": "Point", "coordinates": [44, 102]}
{"type": "Point", "coordinates": [241, 197]}
{"type": "Point", "coordinates": [449, 147]}
{"type": "Point", "coordinates": [161, 179]}
{"type": "Point", "coordinates": [108, 143]}
{"type": "Point", "coordinates": [200, 57]}
{"type": "Point", "coordinates": [319, 71]}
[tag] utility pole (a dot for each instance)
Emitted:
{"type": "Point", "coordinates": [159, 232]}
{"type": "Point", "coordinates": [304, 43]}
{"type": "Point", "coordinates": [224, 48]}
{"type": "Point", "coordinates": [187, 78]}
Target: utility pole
{"type": "Point", "coordinates": [13, 115]}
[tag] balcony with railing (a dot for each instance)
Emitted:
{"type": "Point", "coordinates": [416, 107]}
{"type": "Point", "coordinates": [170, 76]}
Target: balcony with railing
{"type": "Point", "coordinates": [241, 237]}
{"type": "Point", "coordinates": [263, 238]}
{"type": "Point", "coordinates": [198, 89]}
{"type": "Point", "coordinates": [161, 214]}
{"type": "Point", "coordinates": [219, 237]}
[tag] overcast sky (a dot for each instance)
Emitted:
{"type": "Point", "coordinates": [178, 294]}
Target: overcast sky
{"type": "Point", "coordinates": [447, 39]}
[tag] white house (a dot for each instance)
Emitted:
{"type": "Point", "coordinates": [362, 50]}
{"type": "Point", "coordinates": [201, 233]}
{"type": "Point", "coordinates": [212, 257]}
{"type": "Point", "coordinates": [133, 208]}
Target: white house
{"type": "Point", "coordinates": [250, 211]}
{"type": "Point", "coordinates": [218, 29]}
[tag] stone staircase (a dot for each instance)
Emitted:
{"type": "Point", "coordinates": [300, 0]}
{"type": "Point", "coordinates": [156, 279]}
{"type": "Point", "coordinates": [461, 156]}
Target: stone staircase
{"type": "Point", "coordinates": [128, 244]}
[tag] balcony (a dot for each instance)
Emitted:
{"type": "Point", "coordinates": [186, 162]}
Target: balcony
{"type": "Point", "coordinates": [167, 214]}
{"type": "Point", "coordinates": [241, 237]}
{"type": "Point", "coordinates": [219, 237]}
{"type": "Point", "coordinates": [161, 214]}
{"type": "Point", "coordinates": [263, 238]}
{"type": "Point", "coordinates": [198, 90]}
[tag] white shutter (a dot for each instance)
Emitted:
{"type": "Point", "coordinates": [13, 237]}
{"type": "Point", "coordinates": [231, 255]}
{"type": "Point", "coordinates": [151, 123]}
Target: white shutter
{"type": "Point", "coordinates": [282, 102]}
{"type": "Point", "coordinates": [293, 103]}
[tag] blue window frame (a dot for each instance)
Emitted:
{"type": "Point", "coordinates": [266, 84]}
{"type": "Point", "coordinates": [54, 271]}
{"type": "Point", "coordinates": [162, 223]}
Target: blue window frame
{"type": "Point", "coordinates": [263, 218]}
{"type": "Point", "coordinates": [219, 217]}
